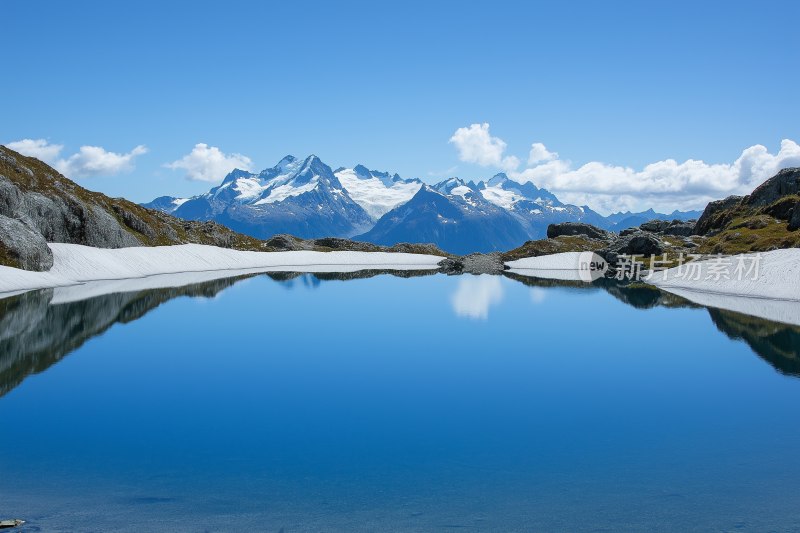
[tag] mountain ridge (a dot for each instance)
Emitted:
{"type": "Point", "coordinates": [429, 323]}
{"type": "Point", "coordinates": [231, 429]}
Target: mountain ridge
{"type": "Point", "coordinates": [306, 198]}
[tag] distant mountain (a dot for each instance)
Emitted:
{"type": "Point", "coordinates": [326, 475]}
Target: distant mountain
{"type": "Point", "coordinates": [535, 208]}
{"type": "Point", "coordinates": [453, 215]}
{"type": "Point", "coordinates": [307, 199]}
{"type": "Point", "coordinates": [620, 221]}
{"type": "Point", "coordinates": [166, 204]}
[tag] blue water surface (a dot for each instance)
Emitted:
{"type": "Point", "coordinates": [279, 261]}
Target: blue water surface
{"type": "Point", "coordinates": [388, 404]}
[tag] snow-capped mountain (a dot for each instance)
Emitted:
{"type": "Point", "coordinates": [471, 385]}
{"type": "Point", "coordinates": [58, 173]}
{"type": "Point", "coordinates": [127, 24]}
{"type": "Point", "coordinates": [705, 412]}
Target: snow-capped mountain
{"type": "Point", "coordinates": [167, 204]}
{"type": "Point", "coordinates": [454, 216]}
{"type": "Point", "coordinates": [535, 208]}
{"type": "Point", "coordinates": [377, 192]}
{"type": "Point", "coordinates": [304, 197]}
{"type": "Point", "coordinates": [301, 197]}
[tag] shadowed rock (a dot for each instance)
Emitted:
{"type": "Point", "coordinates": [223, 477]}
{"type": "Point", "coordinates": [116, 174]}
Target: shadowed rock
{"type": "Point", "coordinates": [576, 228]}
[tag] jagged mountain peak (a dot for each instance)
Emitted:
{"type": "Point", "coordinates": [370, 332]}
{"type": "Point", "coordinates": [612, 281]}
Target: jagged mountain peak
{"type": "Point", "coordinates": [498, 179]}
{"type": "Point", "coordinates": [362, 172]}
{"type": "Point", "coordinates": [451, 185]}
{"type": "Point", "coordinates": [236, 174]}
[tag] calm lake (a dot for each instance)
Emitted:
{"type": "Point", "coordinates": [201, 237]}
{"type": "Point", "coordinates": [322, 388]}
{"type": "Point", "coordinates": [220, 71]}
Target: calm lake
{"type": "Point", "coordinates": [288, 403]}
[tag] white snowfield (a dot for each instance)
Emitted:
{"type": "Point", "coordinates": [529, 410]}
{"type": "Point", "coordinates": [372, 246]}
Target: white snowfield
{"type": "Point", "coordinates": [774, 275]}
{"type": "Point", "coordinates": [772, 291]}
{"type": "Point", "coordinates": [75, 264]}
{"type": "Point", "coordinates": [376, 197]}
{"type": "Point", "coordinates": [562, 261]}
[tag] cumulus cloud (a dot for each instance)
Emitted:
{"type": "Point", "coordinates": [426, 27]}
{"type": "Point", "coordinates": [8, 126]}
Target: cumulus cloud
{"type": "Point", "coordinates": [88, 161]}
{"type": "Point", "coordinates": [38, 148]}
{"type": "Point", "coordinates": [476, 145]}
{"type": "Point", "coordinates": [96, 161]}
{"type": "Point", "coordinates": [539, 154]}
{"type": "Point", "coordinates": [209, 163]}
{"type": "Point", "coordinates": [475, 295]}
{"type": "Point", "coordinates": [663, 185]}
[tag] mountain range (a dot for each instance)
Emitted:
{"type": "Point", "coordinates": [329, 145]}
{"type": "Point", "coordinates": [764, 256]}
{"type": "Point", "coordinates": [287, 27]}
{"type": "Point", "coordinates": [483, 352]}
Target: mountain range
{"type": "Point", "coordinates": [306, 198]}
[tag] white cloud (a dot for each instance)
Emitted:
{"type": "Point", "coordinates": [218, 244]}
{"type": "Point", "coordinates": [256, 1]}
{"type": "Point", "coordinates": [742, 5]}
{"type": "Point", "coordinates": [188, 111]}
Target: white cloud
{"type": "Point", "coordinates": [664, 185]}
{"type": "Point", "coordinates": [539, 154]}
{"type": "Point", "coordinates": [88, 161]}
{"type": "Point", "coordinates": [476, 145]}
{"type": "Point", "coordinates": [38, 148]}
{"type": "Point", "coordinates": [209, 163]}
{"type": "Point", "coordinates": [96, 161]}
{"type": "Point", "coordinates": [475, 295]}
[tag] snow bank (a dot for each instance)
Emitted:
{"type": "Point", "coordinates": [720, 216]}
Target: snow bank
{"type": "Point", "coordinates": [562, 267]}
{"type": "Point", "coordinates": [777, 276]}
{"type": "Point", "coordinates": [74, 264]}
{"type": "Point", "coordinates": [771, 292]}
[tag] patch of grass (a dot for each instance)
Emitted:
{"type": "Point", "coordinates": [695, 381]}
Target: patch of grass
{"type": "Point", "coordinates": [573, 243]}
{"type": "Point", "coordinates": [752, 233]}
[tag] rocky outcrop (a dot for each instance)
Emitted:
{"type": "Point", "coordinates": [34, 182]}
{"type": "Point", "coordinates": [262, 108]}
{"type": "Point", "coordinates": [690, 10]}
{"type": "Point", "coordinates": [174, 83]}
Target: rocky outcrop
{"type": "Point", "coordinates": [794, 219]}
{"type": "Point", "coordinates": [473, 264]}
{"type": "Point", "coordinates": [576, 228]}
{"type": "Point", "coordinates": [639, 243]}
{"type": "Point", "coordinates": [680, 228]}
{"type": "Point", "coordinates": [784, 183]}
{"type": "Point", "coordinates": [764, 220]}
{"type": "Point", "coordinates": [23, 247]}
{"type": "Point", "coordinates": [716, 215]}
{"type": "Point", "coordinates": [654, 226]}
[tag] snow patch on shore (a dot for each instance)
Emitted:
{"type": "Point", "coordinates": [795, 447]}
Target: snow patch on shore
{"type": "Point", "coordinates": [76, 264]}
{"type": "Point", "coordinates": [777, 276]}
{"type": "Point", "coordinates": [773, 292]}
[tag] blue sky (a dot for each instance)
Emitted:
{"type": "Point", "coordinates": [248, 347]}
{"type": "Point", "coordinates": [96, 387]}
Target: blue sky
{"type": "Point", "coordinates": [624, 84]}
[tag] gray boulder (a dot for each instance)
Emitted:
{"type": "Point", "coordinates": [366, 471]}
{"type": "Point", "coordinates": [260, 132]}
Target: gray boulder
{"type": "Point", "coordinates": [24, 247]}
{"type": "Point", "coordinates": [680, 228]}
{"type": "Point", "coordinates": [655, 226]}
{"type": "Point", "coordinates": [794, 219]}
{"type": "Point", "coordinates": [576, 228]}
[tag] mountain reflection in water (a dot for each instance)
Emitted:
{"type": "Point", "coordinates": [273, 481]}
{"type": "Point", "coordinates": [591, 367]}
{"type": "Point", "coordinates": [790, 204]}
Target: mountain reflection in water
{"type": "Point", "coordinates": [35, 334]}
